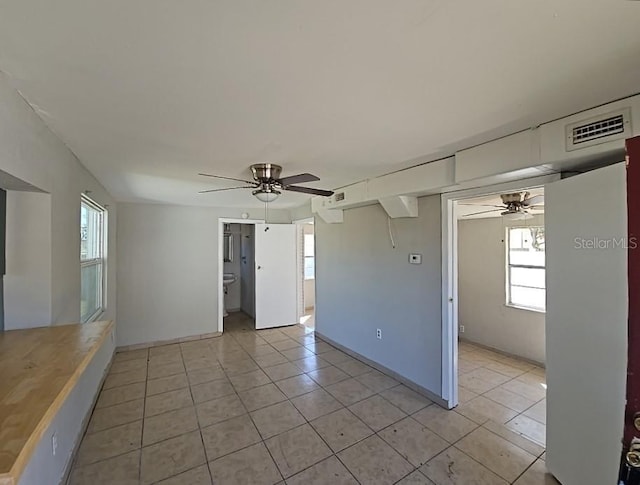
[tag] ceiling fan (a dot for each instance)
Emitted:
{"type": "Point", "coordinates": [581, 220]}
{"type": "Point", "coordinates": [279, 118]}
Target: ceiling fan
{"type": "Point", "coordinates": [268, 184]}
{"type": "Point", "coordinates": [515, 206]}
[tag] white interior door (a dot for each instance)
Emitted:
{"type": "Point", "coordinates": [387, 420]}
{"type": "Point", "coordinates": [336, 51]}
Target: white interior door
{"type": "Point", "coordinates": [275, 260]}
{"type": "Point", "coordinates": [586, 325]}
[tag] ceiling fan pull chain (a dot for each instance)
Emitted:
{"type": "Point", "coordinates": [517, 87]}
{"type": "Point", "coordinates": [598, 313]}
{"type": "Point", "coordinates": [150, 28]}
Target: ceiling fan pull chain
{"type": "Point", "coordinates": [266, 212]}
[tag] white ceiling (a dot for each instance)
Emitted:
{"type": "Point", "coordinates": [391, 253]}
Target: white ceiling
{"type": "Point", "coordinates": [149, 92]}
{"type": "Point", "coordinates": [476, 207]}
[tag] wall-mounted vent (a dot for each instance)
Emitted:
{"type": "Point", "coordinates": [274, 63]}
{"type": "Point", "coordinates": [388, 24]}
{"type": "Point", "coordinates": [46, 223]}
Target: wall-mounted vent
{"type": "Point", "coordinates": [339, 196]}
{"type": "Point", "coordinates": [604, 128]}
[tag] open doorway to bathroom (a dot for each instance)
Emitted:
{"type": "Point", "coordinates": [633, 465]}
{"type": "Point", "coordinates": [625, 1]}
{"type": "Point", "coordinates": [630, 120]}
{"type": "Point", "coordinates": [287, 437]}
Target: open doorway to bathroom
{"type": "Point", "coordinates": [306, 272]}
{"type": "Point", "coordinates": [238, 276]}
{"type": "Point", "coordinates": [237, 298]}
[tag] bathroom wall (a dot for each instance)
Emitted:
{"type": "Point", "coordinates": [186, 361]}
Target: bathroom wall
{"type": "Point", "coordinates": [233, 296]}
{"type": "Point", "coordinates": [247, 269]}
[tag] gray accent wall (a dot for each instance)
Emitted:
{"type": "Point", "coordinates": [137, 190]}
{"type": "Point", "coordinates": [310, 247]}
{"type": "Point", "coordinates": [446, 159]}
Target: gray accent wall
{"type": "Point", "coordinates": [363, 284]}
{"type": "Point", "coordinates": [168, 269]}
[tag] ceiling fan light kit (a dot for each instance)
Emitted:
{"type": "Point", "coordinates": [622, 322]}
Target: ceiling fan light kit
{"type": "Point", "coordinates": [266, 195]}
{"type": "Point", "coordinates": [516, 216]}
{"type": "Point", "coordinates": [268, 184]}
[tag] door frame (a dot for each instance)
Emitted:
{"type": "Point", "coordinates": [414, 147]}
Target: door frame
{"type": "Point", "coordinates": [221, 222]}
{"type": "Point", "coordinates": [449, 233]}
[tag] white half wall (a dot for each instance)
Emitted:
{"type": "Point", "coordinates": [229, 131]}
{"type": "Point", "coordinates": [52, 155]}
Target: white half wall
{"type": "Point", "coordinates": [69, 423]}
{"type": "Point", "coordinates": [482, 305]}
{"type": "Point", "coordinates": [363, 284]}
{"type": "Point", "coordinates": [168, 269]}
{"type": "Point", "coordinates": [29, 151]}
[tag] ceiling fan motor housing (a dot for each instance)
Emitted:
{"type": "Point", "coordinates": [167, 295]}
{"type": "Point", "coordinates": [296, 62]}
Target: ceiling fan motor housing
{"type": "Point", "coordinates": [266, 172]}
{"type": "Point", "coordinates": [508, 199]}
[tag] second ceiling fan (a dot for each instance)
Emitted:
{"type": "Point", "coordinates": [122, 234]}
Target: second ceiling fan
{"type": "Point", "coordinates": [515, 206]}
{"type": "Point", "coordinates": [268, 184]}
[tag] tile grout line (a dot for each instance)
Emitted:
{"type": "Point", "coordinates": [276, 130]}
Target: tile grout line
{"type": "Point", "coordinates": [144, 407]}
{"type": "Point", "coordinates": [204, 448]}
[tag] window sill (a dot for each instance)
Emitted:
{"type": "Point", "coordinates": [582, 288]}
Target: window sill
{"type": "Point", "coordinates": [96, 316]}
{"type": "Point", "coordinates": [525, 308]}
{"type": "Point", "coordinates": [310, 279]}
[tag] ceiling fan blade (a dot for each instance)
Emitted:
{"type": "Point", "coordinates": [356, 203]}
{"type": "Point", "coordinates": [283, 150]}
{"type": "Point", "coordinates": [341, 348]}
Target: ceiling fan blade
{"type": "Point", "coordinates": [484, 205]}
{"type": "Point", "coordinates": [535, 207]}
{"type": "Point", "coordinates": [308, 190]}
{"type": "Point", "coordinates": [227, 178]}
{"type": "Point", "coordinates": [482, 212]}
{"type": "Point", "coordinates": [298, 179]}
{"type": "Point", "coordinates": [535, 200]}
{"type": "Point", "coordinates": [227, 188]}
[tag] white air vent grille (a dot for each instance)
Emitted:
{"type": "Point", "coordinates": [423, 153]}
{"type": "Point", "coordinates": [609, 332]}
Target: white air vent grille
{"type": "Point", "coordinates": [339, 196]}
{"type": "Point", "coordinates": [592, 131]}
{"type": "Point", "coordinates": [608, 127]}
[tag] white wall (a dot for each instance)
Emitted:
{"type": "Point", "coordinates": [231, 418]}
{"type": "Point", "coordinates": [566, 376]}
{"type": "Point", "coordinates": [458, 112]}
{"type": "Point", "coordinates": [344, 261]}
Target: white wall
{"type": "Point", "coordinates": [232, 298]}
{"type": "Point", "coordinates": [302, 212]}
{"type": "Point", "coordinates": [309, 293]}
{"type": "Point", "coordinates": [587, 325]}
{"type": "Point", "coordinates": [363, 284]}
{"type": "Point", "coordinates": [49, 293]}
{"type": "Point", "coordinates": [28, 247]}
{"type": "Point", "coordinates": [168, 269]}
{"type": "Point", "coordinates": [481, 292]}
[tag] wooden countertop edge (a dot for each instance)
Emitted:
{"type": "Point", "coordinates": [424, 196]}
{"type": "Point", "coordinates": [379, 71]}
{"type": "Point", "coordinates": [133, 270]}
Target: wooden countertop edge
{"type": "Point", "coordinates": [12, 477]}
{"type": "Point", "coordinates": [6, 479]}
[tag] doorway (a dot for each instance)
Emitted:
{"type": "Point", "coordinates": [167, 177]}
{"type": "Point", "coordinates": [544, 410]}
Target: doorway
{"type": "Point", "coordinates": [269, 269]}
{"type": "Point", "coordinates": [450, 275]}
{"type": "Point", "coordinates": [306, 273]}
{"type": "Point", "coordinates": [236, 278]}
{"type": "Point", "coordinates": [501, 311]}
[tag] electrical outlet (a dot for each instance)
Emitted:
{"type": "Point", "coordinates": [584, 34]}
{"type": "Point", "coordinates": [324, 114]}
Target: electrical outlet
{"type": "Point", "coordinates": [54, 444]}
{"type": "Point", "coordinates": [379, 334]}
{"type": "Point", "coordinates": [461, 328]}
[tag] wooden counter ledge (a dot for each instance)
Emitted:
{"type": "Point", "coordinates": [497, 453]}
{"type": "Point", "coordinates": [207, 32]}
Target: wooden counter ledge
{"type": "Point", "coordinates": [39, 367]}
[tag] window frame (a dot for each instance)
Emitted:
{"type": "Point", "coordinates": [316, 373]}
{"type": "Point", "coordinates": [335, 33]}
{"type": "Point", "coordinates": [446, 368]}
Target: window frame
{"type": "Point", "coordinates": [510, 265]}
{"type": "Point", "coordinates": [305, 256]}
{"type": "Point", "coordinates": [100, 261]}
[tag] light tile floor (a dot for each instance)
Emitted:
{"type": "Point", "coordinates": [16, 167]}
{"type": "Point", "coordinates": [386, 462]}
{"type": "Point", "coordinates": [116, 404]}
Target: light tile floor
{"type": "Point", "coordinates": [280, 406]}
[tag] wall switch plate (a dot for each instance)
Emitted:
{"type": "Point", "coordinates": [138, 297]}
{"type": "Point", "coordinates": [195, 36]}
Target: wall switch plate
{"type": "Point", "coordinates": [379, 334]}
{"type": "Point", "coordinates": [461, 328]}
{"type": "Point", "coordinates": [415, 258]}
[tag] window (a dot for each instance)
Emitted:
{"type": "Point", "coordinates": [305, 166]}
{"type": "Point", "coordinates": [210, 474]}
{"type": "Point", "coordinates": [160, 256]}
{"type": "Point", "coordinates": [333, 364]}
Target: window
{"type": "Point", "coordinates": [526, 268]}
{"type": "Point", "coordinates": [309, 258]}
{"type": "Point", "coordinates": [92, 259]}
